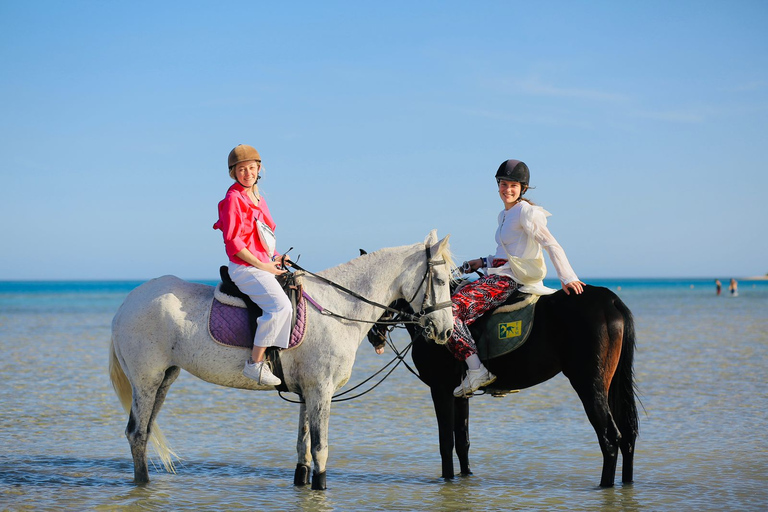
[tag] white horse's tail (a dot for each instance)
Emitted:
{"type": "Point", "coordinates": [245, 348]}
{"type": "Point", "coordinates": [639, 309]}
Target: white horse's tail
{"type": "Point", "coordinates": [124, 392]}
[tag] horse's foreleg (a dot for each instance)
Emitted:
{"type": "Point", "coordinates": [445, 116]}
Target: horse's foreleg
{"type": "Point", "coordinates": [461, 433]}
{"type": "Point", "coordinates": [318, 404]}
{"type": "Point", "coordinates": [444, 403]}
{"type": "Point", "coordinates": [303, 467]}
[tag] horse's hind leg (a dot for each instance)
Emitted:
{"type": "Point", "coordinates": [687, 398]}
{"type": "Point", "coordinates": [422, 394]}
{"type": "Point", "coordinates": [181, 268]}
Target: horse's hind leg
{"type": "Point", "coordinates": [147, 402]}
{"type": "Point", "coordinates": [595, 403]}
{"type": "Point", "coordinates": [627, 460]}
{"type": "Point", "coordinates": [170, 377]}
{"type": "Point", "coordinates": [303, 467]}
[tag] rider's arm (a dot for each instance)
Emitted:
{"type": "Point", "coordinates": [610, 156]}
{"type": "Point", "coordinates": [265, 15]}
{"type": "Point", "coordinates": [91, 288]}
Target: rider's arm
{"type": "Point", "coordinates": [536, 225]}
{"type": "Point", "coordinates": [273, 267]}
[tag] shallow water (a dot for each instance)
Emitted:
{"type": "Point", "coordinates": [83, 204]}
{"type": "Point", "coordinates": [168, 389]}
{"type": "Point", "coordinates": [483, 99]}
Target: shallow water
{"type": "Point", "coordinates": [701, 368]}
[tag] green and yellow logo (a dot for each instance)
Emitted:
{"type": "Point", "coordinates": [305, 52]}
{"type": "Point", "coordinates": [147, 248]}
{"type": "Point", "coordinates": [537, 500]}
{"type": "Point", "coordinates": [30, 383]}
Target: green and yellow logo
{"type": "Point", "coordinates": [510, 330]}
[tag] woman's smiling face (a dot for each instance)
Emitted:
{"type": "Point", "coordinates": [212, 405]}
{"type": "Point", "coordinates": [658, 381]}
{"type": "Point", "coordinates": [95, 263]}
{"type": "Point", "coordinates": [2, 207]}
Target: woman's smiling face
{"type": "Point", "coordinates": [247, 172]}
{"type": "Point", "coordinates": [509, 191]}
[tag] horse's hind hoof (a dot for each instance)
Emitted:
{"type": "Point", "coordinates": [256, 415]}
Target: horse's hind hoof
{"type": "Point", "coordinates": [318, 481]}
{"type": "Point", "coordinates": [301, 475]}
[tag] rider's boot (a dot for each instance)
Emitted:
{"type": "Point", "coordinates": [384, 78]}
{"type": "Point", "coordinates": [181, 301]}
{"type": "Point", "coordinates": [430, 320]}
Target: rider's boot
{"type": "Point", "coordinates": [261, 373]}
{"type": "Point", "coordinates": [474, 380]}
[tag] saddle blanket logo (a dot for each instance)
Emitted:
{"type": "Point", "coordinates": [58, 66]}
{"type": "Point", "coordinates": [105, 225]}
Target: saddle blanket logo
{"type": "Point", "coordinates": [510, 330]}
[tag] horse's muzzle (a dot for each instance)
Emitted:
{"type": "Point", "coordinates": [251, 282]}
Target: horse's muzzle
{"type": "Point", "coordinates": [439, 338]}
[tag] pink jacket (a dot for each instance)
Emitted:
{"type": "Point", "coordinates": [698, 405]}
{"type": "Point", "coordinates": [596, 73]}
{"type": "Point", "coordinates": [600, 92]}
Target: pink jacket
{"type": "Point", "coordinates": [237, 215]}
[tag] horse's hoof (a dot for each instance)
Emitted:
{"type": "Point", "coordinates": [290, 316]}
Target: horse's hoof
{"type": "Point", "coordinates": [301, 475]}
{"type": "Point", "coordinates": [318, 481]}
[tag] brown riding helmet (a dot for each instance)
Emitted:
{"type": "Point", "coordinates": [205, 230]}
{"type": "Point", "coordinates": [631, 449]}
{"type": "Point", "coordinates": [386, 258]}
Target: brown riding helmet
{"type": "Point", "coordinates": [242, 153]}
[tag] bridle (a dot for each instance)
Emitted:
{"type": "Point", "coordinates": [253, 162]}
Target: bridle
{"type": "Point", "coordinates": [397, 316]}
{"type": "Point", "coordinates": [420, 319]}
{"type": "Point", "coordinates": [424, 322]}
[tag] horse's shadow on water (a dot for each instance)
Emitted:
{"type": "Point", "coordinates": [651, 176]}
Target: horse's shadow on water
{"type": "Point", "coordinates": [118, 472]}
{"type": "Point", "coordinates": [341, 477]}
{"type": "Point", "coordinates": [63, 471]}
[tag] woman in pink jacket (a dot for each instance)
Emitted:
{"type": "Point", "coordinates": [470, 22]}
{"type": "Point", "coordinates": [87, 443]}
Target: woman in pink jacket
{"type": "Point", "coordinates": [248, 230]}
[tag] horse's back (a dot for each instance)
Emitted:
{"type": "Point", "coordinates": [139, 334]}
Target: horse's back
{"type": "Point", "coordinates": [596, 305]}
{"type": "Point", "coordinates": [158, 303]}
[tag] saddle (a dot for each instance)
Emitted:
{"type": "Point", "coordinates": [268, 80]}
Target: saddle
{"type": "Point", "coordinates": [288, 281]}
{"type": "Point", "coordinates": [506, 328]}
{"type": "Point", "coordinates": [228, 325]}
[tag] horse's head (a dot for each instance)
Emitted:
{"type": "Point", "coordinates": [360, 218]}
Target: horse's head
{"type": "Point", "coordinates": [377, 336]}
{"type": "Point", "coordinates": [431, 294]}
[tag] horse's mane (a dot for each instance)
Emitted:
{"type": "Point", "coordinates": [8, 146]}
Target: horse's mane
{"type": "Point", "coordinates": [448, 257]}
{"type": "Point", "coordinates": [351, 264]}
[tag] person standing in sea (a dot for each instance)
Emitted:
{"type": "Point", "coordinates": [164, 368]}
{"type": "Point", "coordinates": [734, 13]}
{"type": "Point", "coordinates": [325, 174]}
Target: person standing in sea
{"type": "Point", "coordinates": [249, 240]}
{"type": "Point", "coordinates": [517, 264]}
{"type": "Point", "coordinates": [718, 286]}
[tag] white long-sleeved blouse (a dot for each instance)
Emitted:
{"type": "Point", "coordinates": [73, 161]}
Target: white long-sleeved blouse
{"type": "Point", "coordinates": [521, 234]}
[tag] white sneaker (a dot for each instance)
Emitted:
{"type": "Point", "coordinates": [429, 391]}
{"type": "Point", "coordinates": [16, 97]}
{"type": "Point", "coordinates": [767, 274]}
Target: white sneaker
{"type": "Point", "coordinates": [261, 373]}
{"type": "Point", "coordinates": [474, 380]}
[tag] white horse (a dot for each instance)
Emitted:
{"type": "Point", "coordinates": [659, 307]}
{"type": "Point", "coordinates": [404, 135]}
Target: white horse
{"type": "Point", "coordinates": [161, 327]}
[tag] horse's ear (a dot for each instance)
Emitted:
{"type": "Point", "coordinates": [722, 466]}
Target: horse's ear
{"type": "Point", "coordinates": [441, 246]}
{"type": "Point", "coordinates": [431, 238]}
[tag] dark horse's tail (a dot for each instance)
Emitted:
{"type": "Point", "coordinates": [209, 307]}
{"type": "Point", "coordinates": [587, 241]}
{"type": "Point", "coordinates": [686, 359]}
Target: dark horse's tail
{"type": "Point", "coordinates": [623, 391]}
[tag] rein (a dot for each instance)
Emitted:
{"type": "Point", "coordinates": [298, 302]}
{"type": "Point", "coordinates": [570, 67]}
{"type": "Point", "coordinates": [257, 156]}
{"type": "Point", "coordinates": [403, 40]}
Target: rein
{"type": "Point", "coordinates": [399, 317]}
{"type": "Point", "coordinates": [399, 357]}
{"type": "Point", "coordinates": [406, 317]}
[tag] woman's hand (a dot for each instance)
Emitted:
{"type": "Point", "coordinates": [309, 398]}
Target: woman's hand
{"type": "Point", "coordinates": [576, 286]}
{"type": "Point", "coordinates": [472, 265]}
{"type": "Point", "coordinates": [285, 260]}
{"type": "Point", "coordinates": [274, 267]}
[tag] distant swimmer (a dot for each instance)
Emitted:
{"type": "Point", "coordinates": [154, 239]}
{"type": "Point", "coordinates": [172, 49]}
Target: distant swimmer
{"type": "Point", "coordinates": [734, 288]}
{"type": "Point", "coordinates": [718, 286]}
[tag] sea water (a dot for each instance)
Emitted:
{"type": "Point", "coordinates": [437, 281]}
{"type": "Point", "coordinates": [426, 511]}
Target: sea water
{"type": "Point", "coordinates": [701, 366]}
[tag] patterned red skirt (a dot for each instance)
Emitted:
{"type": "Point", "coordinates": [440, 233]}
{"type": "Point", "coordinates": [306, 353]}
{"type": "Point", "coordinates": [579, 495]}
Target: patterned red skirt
{"type": "Point", "coordinates": [470, 303]}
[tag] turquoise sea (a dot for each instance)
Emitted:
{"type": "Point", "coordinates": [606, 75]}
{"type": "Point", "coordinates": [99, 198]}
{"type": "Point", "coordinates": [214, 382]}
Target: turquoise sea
{"type": "Point", "coordinates": [701, 368]}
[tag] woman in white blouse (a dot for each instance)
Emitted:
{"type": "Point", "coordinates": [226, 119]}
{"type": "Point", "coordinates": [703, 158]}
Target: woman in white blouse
{"type": "Point", "coordinates": [518, 264]}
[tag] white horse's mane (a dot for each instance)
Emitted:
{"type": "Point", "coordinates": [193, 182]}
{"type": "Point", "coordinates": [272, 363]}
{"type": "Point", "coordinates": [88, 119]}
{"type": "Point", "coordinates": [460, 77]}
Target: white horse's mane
{"type": "Point", "coordinates": [443, 252]}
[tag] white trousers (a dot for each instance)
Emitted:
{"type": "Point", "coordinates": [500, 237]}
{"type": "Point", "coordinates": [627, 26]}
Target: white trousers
{"type": "Point", "coordinates": [274, 325]}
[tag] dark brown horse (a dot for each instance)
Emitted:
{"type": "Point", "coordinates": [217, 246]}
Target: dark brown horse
{"type": "Point", "coordinates": [590, 338]}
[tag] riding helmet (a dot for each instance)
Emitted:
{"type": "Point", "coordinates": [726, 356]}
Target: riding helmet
{"type": "Point", "coordinates": [513, 170]}
{"type": "Point", "coordinates": [242, 153]}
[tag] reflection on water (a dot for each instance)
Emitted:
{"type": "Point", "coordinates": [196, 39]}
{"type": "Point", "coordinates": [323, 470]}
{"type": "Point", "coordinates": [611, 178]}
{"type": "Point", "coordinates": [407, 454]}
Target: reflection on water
{"type": "Point", "coordinates": [701, 367]}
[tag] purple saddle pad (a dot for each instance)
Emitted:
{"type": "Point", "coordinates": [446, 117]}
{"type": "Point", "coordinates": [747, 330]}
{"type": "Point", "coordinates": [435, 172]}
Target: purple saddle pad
{"type": "Point", "coordinates": [228, 325]}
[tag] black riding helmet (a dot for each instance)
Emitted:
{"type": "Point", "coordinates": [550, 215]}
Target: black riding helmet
{"type": "Point", "coordinates": [514, 170]}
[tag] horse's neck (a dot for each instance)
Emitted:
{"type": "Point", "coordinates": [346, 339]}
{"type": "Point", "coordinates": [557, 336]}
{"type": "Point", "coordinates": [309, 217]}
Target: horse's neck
{"type": "Point", "coordinates": [375, 276]}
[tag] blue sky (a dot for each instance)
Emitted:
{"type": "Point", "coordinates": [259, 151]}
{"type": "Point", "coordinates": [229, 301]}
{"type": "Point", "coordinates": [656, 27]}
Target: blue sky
{"type": "Point", "coordinates": [643, 123]}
